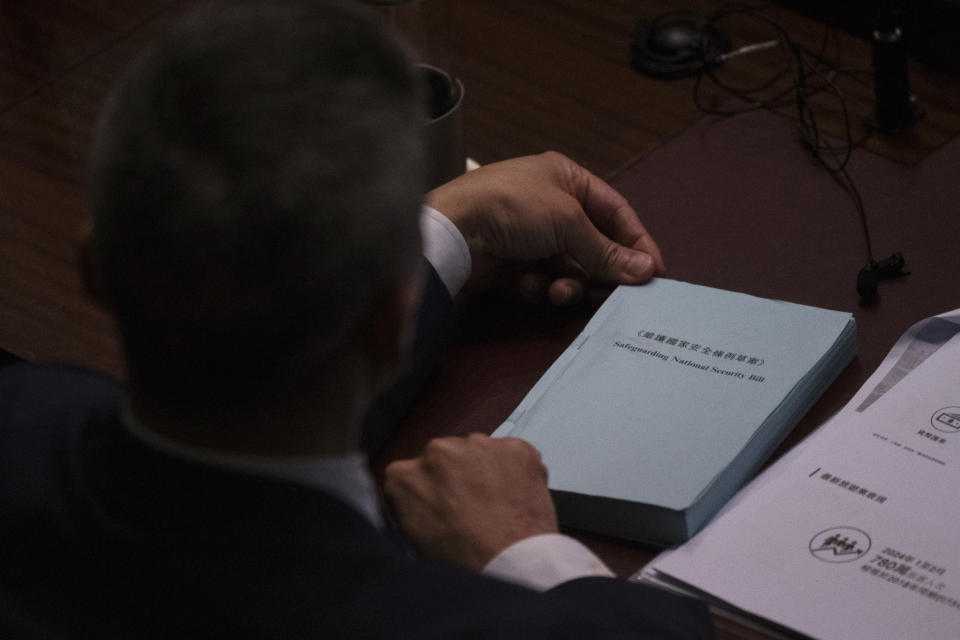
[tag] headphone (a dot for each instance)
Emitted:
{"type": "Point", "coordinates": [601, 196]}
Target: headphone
{"type": "Point", "coordinates": [676, 44]}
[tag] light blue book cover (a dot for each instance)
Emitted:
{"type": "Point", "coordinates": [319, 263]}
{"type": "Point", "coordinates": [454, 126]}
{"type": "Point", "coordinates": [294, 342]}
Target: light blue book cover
{"type": "Point", "coordinates": [670, 386]}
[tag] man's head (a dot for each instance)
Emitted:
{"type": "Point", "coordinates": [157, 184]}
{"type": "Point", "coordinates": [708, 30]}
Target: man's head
{"type": "Point", "coordinates": [255, 187]}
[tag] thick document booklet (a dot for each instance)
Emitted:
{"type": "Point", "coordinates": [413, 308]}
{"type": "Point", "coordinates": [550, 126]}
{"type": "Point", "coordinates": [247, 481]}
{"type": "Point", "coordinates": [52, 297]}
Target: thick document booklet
{"type": "Point", "coordinates": [852, 535]}
{"type": "Point", "coordinates": [670, 399]}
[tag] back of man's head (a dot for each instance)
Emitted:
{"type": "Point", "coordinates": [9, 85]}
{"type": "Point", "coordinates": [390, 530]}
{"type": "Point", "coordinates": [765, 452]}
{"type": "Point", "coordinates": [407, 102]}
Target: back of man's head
{"type": "Point", "coordinates": [255, 187]}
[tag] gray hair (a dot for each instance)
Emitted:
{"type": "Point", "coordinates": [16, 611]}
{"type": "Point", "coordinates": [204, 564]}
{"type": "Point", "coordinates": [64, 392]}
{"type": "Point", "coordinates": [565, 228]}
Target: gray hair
{"type": "Point", "coordinates": [255, 184]}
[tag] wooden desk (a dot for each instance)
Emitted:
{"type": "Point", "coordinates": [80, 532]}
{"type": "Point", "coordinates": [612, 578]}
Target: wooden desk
{"type": "Point", "coordinates": [544, 75]}
{"type": "Point", "coordinates": [557, 77]}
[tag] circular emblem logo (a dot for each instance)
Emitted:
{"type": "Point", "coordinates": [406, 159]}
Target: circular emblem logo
{"type": "Point", "coordinates": [946, 420]}
{"type": "Point", "coordinates": [839, 544]}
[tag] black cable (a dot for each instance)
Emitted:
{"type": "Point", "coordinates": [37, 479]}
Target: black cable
{"type": "Point", "coordinates": [812, 74]}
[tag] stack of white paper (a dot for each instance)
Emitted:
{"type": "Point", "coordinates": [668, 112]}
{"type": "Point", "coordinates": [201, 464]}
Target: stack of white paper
{"type": "Point", "coordinates": [853, 535]}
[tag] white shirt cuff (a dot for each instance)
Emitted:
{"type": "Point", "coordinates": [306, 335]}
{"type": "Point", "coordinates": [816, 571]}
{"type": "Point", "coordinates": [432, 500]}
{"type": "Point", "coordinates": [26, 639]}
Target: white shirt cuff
{"type": "Point", "coordinates": [542, 562]}
{"type": "Point", "coordinates": [445, 248]}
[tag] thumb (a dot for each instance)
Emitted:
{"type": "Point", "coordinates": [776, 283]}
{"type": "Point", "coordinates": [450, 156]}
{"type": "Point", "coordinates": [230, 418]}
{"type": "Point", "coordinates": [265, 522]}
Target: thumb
{"type": "Point", "coordinates": [606, 260]}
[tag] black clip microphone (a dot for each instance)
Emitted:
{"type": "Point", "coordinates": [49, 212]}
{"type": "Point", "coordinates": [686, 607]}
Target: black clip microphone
{"type": "Point", "coordinates": [870, 276]}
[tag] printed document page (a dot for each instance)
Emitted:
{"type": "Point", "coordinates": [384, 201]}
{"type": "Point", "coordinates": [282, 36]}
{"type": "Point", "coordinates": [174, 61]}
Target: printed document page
{"type": "Point", "coordinates": [852, 535]}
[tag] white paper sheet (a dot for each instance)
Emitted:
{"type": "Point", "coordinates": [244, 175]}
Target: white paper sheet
{"type": "Point", "coordinates": [854, 534]}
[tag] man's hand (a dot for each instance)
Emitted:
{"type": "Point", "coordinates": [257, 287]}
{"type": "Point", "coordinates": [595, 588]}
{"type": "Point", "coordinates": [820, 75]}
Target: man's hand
{"type": "Point", "coordinates": [544, 223]}
{"type": "Point", "coordinates": [464, 500]}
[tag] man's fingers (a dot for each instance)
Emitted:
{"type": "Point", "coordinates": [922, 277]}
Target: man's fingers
{"type": "Point", "coordinates": [463, 500]}
{"type": "Point", "coordinates": [565, 291]}
{"type": "Point", "coordinates": [605, 259]}
{"type": "Point", "coordinates": [612, 215]}
{"type": "Point", "coordinates": [398, 476]}
{"type": "Point", "coordinates": [558, 279]}
{"type": "Point", "coordinates": [530, 287]}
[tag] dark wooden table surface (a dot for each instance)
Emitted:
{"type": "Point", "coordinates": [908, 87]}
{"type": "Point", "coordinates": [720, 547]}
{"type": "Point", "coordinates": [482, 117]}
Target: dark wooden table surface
{"type": "Point", "coordinates": [538, 76]}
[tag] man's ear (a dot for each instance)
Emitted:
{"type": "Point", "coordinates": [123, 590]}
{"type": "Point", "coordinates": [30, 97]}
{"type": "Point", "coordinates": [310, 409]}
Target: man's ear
{"type": "Point", "coordinates": [89, 267]}
{"type": "Point", "coordinates": [390, 329]}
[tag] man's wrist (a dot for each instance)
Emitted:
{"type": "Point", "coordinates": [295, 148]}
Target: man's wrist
{"type": "Point", "coordinates": [454, 199]}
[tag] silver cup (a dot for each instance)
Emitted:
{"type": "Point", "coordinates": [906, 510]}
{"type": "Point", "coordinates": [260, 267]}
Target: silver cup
{"type": "Point", "coordinates": [443, 132]}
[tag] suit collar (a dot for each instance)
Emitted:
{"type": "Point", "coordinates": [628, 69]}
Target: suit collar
{"type": "Point", "coordinates": [347, 476]}
{"type": "Point", "coordinates": [135, 487]}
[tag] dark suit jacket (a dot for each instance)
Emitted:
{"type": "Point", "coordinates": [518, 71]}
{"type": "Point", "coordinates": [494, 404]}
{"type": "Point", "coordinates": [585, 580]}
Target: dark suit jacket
{"type": "Point", "coordinates": [104, 537]}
